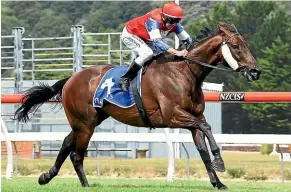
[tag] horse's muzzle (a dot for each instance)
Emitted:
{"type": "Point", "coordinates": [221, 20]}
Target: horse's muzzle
{"type": "Point", "coordinates": [250, 74]}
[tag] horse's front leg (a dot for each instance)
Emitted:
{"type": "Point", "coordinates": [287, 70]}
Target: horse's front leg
{"type": "Point", "coordinates": [217, 163]}
{"type": "Point", "coordinates": [199, 140]}
{"type": "Point", "coordinates": [181, 118]}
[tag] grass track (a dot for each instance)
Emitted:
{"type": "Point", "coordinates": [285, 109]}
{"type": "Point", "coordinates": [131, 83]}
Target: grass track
{"type": "Point", "coordinates": [29, 184]}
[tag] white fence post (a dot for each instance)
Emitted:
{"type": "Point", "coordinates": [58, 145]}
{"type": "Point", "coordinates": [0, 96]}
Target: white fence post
{"type": "Point", "coordinates": [18, 58]}
{"type": "Point", "coordinates": [177, 145]}
{"type": "Point", "coordinates": [171, 167]}
{"type": "Point", "coordinates": [77, 31]}
{"type": "Point", "coordinates": [9, 168]}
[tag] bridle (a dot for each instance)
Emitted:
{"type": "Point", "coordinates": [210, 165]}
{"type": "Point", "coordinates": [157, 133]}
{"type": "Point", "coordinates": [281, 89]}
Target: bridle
{"type": "Point", "coordinates": [208, 65]}
{"type": "Point", "coordinates": [193, 61]}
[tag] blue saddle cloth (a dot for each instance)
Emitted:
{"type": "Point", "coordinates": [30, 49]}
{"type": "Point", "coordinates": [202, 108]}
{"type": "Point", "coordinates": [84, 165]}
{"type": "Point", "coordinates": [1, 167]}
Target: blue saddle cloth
{"type": "Point", "coordinates": [109, 89]}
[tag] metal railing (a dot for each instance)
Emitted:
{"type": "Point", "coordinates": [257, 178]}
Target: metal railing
{"type": "Point", "coordinates": [27, 58]}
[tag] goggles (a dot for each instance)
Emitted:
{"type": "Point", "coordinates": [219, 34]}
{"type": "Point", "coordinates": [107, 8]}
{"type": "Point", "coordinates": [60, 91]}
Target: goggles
{"type": "Point", "coordinates": [171, 20]}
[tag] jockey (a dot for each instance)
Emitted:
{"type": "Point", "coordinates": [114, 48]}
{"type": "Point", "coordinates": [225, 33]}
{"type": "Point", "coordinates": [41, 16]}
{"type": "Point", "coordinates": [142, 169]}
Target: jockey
{"type": "Point", "coordinates": [143, 36]}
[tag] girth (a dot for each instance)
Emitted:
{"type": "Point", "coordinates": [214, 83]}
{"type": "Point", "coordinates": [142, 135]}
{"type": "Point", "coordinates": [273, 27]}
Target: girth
{"type": "Point", "coordinates": [139, 105]}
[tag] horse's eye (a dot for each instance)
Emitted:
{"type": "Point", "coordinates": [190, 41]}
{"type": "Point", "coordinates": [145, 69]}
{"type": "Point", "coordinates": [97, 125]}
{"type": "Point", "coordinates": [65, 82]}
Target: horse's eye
{"type": "Point", "coordinates": [235, 46]}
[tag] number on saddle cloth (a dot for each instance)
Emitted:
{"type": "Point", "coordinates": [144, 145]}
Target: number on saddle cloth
{"type": "Point", "coordinates": [109, 89]}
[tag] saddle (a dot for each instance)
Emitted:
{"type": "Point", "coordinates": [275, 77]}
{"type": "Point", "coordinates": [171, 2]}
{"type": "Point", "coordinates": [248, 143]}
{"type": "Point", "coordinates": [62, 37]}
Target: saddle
{"type": "Point", "coordinates": [149, 62]}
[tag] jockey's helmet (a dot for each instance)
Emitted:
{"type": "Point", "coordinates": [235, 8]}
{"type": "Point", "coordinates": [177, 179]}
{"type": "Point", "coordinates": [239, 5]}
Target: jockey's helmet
{"type": "Point", "coordinates": [172, 13]}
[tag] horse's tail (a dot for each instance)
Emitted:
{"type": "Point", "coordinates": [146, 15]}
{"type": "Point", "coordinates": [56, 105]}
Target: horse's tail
{"type": "Point", "coordinates": [34, 97]}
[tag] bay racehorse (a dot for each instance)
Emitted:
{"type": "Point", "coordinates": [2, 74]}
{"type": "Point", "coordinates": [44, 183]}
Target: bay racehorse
{"type": "Point", "coordinates": [171, 93]}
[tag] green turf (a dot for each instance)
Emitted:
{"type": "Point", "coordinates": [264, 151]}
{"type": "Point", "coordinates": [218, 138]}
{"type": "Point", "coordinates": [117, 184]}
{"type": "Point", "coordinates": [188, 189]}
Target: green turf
{"type": "Point", "coordinates": [28, 184]}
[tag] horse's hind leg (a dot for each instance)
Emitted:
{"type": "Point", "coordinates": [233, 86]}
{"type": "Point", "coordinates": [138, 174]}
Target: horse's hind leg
{"type": "Point", "coordinates": [84, 129]}
{"type": "Point", "coordinates": [67, 146]}
{"type": "Point", "coordinates": [77, 155]}
{"type": "Point", "coordinates": [199, 140]}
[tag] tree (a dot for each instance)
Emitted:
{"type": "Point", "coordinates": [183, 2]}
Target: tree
{"type": "Point", "coordinates": [114, 15]}
{"type": "Point", "coordinates": [273, 118]}
{"type": "Point", "coordinates": [260, 23]}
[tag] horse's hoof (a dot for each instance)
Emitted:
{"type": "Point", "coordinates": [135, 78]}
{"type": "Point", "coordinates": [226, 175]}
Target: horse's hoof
{"type": "Point", "coordinates": [219, 186]}
{"type": "Point", "coordinates": [214, 184]}
{"type": "Point", "coordinates": [85, 185]}
{"type": "Point", "coordinates": [222, 187]}
{"type": "Point", "coordinates": [44, 179]}
{"type": "Point", "coordinates": [218, 165]}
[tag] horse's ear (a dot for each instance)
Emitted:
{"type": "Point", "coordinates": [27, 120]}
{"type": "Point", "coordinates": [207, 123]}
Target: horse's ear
{"type": "Point", "coordinates": [234, 27]}
{"type": "Point", "coordinates": [222, 23]}
{"type": "Point", "coordinates": [222, 29]}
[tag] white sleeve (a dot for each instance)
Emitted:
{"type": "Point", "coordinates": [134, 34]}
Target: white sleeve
{"type": "Point", "coordinates": [153, 29]}
{"type": "Point", "coordinates": [181, 33]}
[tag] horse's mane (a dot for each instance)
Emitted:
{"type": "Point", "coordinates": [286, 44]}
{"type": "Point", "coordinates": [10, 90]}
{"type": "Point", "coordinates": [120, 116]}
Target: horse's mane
{"type": "Point", "coordinates": [207, 32]}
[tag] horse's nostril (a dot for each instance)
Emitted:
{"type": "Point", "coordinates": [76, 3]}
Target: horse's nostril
{"type": "Point", "coordinates": [255, 73]}
{"type": "Point", "coordinates": [253, 70]}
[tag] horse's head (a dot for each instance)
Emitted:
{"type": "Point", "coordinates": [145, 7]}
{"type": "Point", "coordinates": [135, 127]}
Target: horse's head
{"type": "Point", "coordinates": [235, 53]}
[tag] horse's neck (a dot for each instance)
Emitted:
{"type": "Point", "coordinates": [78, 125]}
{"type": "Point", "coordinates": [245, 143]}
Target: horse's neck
{"type": "Point", "coordinates": [196, 74]}
{"type": "Point", "coordinates": [205, 52]}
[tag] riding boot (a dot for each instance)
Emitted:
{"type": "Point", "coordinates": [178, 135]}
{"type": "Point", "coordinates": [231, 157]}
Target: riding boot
{"type": "Point", "coordinates": [129, 76]}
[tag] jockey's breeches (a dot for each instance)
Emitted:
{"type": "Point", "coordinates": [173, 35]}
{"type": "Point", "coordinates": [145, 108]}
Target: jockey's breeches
{"type": "Point", "coordinates": [138, 46]}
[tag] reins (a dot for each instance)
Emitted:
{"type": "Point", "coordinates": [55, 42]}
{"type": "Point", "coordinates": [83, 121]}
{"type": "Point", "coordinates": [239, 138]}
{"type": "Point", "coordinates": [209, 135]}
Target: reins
{"type": "Point", "coordinates": [190, 61]}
